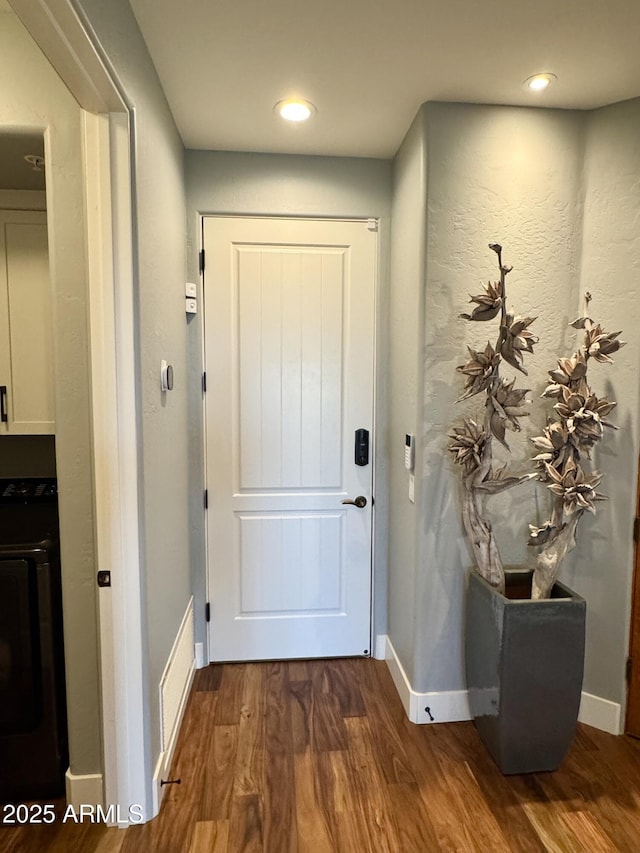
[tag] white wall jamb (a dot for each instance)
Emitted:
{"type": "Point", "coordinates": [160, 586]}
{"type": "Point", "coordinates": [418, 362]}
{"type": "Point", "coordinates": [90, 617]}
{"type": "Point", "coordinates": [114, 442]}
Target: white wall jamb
{"type": "Point", "coordinates": [102, 336]}
{"type": "Point", "coordinates": [115, 457]}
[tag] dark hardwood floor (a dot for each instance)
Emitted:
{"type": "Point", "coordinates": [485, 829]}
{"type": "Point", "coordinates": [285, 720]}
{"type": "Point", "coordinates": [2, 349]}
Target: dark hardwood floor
{"type": "Point", "coordinates": [318, 756]}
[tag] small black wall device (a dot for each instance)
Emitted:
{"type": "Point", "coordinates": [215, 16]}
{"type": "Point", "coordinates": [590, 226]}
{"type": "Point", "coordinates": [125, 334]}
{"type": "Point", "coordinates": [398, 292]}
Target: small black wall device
{"type": "Point", "coordinates": [362, 447]}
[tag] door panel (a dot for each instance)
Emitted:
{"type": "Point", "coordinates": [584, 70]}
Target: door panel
{"type": "Point", "coordinates": [290, 365]}
{"type": "Point", "coordinates": [274, 548]}
{"type": "Point", "coordinates": [289, 354]}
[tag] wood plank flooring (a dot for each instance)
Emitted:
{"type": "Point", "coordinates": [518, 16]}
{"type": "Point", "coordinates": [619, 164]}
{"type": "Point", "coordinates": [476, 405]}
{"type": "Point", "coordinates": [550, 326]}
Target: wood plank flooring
{"type": "Point", "coordinates": [318, 757]}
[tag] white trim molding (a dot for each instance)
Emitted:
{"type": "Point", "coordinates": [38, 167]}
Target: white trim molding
{"type": "Point", "coordinates": [173, 692]}
{"type": "Point", "coordinates": [60, 34]}
{"type": "Point", "coordinates": [115, 447]}
{"type": "Point", "coordinates": [379, 651]}
{"type": "Point", "coordinates": [452, 706]}
{"type": "Point", "coordinates": [83, 790]}
{"type": "Point", "coordinates": [448, 706]}
{"type": "Point", "coordinates": [600, 713]}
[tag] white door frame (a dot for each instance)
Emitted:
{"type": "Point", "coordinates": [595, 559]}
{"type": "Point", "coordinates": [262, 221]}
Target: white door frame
{"type": "Point", "coordinates": [59, 28]}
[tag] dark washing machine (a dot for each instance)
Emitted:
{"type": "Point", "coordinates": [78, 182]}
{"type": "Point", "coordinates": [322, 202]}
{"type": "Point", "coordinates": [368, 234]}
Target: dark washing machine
{"type": "Point", "coordinates": [33, 726]}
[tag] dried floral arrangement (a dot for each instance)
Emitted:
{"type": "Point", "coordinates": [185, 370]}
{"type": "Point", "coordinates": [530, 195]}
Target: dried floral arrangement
{"type": "Point", "coordinates": [566, 442]}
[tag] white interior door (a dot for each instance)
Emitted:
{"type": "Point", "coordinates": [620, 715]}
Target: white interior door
{"type": "Point", "coordinates": [289, 341]}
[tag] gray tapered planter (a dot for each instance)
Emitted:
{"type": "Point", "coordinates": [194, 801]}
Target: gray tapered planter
{"type": "Point", "coordinates": [524, 661]}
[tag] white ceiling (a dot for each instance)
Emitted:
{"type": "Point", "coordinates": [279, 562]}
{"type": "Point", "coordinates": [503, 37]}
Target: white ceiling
{"type": "Point", "coordinates": [368, 64]}
{"type": "Point", "coordinates": [15, 172]}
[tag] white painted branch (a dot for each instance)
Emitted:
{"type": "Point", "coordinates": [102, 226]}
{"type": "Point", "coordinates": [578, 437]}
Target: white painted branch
{"type": "Point", "coordinates": [550, 558]}
{"type": "Point", "coordinates": [480, 533]}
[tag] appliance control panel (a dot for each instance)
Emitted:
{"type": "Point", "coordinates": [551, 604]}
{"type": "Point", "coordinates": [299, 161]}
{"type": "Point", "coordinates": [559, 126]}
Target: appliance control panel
{"type": "Point", "coordinates": [28, 489]}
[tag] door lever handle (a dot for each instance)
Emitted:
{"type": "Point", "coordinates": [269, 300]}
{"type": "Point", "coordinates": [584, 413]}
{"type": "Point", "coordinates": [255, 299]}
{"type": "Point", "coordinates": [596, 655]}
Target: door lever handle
{"type": "Point", "coordinates": [360, 501]}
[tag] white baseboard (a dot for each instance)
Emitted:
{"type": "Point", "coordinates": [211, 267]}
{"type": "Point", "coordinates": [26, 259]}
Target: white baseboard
{"type": "Point", "coordinates": [380, 648]}
{"type": "Point", "coordinates": [452, 706]}
{"type": "Point", "coordinates": [83, 790]}
{"type": "Point", "coordinates": [174, 688]}
{"type": "Point", "coordinates": [449, 706]}
{"type": "Point", "coordinates": [601, 714]}
{"type": "Point", "coordinates": [200, 661]}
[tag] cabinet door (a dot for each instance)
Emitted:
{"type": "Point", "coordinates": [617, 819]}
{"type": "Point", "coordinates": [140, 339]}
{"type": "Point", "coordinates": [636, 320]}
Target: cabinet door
{"type": "Point", "coordinates": [26, 327]}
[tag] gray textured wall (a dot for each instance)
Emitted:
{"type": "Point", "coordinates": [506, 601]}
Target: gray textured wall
{"type": "Point", "coordinates": [238, 183]}
{"type": "Point", "coordinates": [496, 174]}
{"type": "Point", "coordinates": [406, 335]}
{"type": "Point", "coordinates": [161, 333]}
{"type": "Point", "coordinates": [601, 567]}
{"type": "Point", "coordinates": [559, 190]}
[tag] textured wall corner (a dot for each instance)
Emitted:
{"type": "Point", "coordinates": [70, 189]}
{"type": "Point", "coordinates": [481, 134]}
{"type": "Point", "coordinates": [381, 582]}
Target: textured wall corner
{"type": "Point", "coordinates": [513, 176]}
{"type": "Point", "coordinates": [602, 565]}
{"type": "Point", "coordinates": [559, 190]}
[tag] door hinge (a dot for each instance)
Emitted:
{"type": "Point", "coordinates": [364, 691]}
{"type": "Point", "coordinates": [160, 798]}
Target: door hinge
{"type": "Point", "coordinates": [201, 260]}
{"type": "Point", "coordinates": [204, 382]}
{"type": "Point", "coordinates": [206, 498]}
{"type": "Point", "coordinates": [636, 529]}
{"type": "Point", "coordinates": [372, 224]}
{"type": "Point", "coordinates": [628, 669]}
{"type": "Point", "coordinates": [207, 612]}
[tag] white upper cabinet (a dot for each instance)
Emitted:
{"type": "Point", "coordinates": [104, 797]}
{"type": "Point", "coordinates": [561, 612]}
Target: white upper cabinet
{"type": "Point", "coordinates": [26, 327]}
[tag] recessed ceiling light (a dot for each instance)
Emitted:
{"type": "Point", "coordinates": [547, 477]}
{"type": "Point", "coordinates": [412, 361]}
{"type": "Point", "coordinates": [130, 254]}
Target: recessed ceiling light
{"type": "Point", "coordinates": [295, 110]}
{"type": "Point", "coordinates": [35, 161]}
{"type": "Point", "coordinates": [539, 82]}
